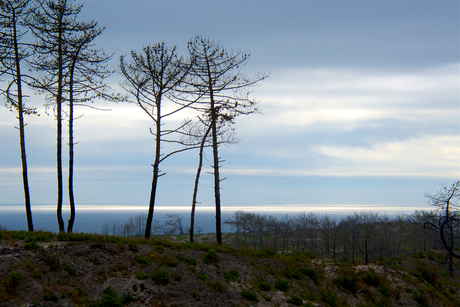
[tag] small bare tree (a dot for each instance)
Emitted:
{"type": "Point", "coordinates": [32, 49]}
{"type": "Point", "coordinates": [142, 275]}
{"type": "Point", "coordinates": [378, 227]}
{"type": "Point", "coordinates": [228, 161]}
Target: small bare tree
{"type": "Point", "coordinates": [445, 219]}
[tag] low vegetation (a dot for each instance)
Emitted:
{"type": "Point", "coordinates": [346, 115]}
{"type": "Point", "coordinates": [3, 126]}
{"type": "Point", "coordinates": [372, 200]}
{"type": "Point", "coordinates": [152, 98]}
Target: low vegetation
{"type": "Point", "coordinates": [95, 270]}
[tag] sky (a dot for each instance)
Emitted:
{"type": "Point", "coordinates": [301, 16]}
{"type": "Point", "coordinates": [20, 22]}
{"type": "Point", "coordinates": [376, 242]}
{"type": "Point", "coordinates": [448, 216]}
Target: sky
{"type": "Point", "coordinates": [361, 109]}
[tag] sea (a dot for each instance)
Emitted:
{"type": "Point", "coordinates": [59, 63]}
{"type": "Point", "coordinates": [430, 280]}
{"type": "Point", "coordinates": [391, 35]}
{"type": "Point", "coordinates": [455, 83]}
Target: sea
{"type": "Point", "coordinates": [89, 218]}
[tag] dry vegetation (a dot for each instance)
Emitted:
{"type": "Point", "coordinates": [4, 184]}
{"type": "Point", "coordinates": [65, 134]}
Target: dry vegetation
{"type": "Point", "coordinates": [46, 269]}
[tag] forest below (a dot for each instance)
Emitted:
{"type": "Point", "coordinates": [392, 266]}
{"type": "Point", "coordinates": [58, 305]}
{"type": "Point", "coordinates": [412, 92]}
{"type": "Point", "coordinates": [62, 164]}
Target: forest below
{"type": "Point", "coordinates": [78, 269]}
{"type": "Point", "coordinates": [361, 237]}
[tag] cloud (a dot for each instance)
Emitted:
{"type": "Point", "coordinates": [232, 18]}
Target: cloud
{"type": "Point", "coordinates": [306, 97]}
{"type": "Point", "coordinates": [426, 156]}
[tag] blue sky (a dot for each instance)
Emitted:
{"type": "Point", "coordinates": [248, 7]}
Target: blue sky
{"type": "Point", "coordinates": [361, 108]}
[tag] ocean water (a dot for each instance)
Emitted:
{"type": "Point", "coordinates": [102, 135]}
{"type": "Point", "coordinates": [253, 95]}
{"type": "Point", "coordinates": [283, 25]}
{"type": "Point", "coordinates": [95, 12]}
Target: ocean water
{"type": "Point", "coordinates": [90, 218]}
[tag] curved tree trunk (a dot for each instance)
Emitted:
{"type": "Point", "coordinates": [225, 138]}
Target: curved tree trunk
{"type": "Point", "coordinates": [197, 179]}
{"type": "Point", "coordinates": [156, 168]}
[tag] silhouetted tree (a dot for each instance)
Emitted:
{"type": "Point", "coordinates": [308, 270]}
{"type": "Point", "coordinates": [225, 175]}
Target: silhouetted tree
{"type": "Point", "coordinates": [85, 83]}
{"type": "Point", "coordinates": [446, 218]}
{"type": "Point", "coordinates": [328, 225]}
{"type": "Point", "coordinates": [150, 77]}
{"type": "Point", "coordinates": [174, 222]}
{"type": "Point", "coordinates": [219, 90]}
{"type": "Point", "coordinates": [13, 18]}
{"type": "Point", "coordinates": [58, 33]}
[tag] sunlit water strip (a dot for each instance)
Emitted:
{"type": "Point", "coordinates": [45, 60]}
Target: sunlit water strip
{"type": "Point", "coordinates": [89, 218]}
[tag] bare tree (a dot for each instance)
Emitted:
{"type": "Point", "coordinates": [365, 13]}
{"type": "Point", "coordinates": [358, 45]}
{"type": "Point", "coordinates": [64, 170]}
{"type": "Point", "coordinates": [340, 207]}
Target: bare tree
{"type": "Point", "coordinates": [58, 33]}
{"type": "Point", "coordinates": [150, 77]}
{"type": "Point", "coordinates": [328, 225]}
{"type": "Point", "coordinates": [236, 223]}
{"type": "Point", "coordinates": [367, 224]}
{"type": "Point", "coordinates": [174, 222]}
{"type": "Point", "coordinates": [87, 72]}
{"type": "Point", "coordinates": [13, 18]}
{"type": "Point", "coordinates": [220, 90]}
{"type": "Point", "coordinates": [274, 227]}
{"type": "Point", "coordinates": [286, 229]}
{"type": "Point", "coordinates": [446, 218]}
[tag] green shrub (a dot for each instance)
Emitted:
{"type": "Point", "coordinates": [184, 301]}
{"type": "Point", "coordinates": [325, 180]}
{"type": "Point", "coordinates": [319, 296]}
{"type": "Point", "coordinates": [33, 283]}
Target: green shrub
{"type": "Point", "coordinates": [110, 291]}
{"type": "Point", "coordinates": [127, 298]}
{"type": "Point", "coordinates": [144, 261]}
{"type": "Point", "coordinates": [348, 283]}
{"type": "Point", "coordinates": [50, 297]}
{"type": "Point", "coordinates": [35, 273]}
{"type": "Point", "coordinates": [420, 299]}
{"type": "Point", "coordinates": [281, 284]}
{"type": "Point", "coordinates": [176, 276]}
{"type": "Point", "coordinates": [211, 257]}
{"type": "Point", "coordinates": [12, 281]}
{"type": "Point", "coordinates": [140, 275]}
{"type": "Point", "coordinates": [429, 274]}
{"type": "Point", "coordinates": [329, 297]}
{"type": "Point", "coordinates": [311, 273]}
{"type": "Point", "coordinates": [385, 290]}
{"type": "Point", "coordinates": [264, 286]}
{"type": "Point", "coordinates": [110, 298]}
{"type": "Point", "coordinates": [202, 276]}
{"type": "Point", "coordinates": [69, 269]}
{"type": "Point", "coordinates": [196, 295]}
{"type": "Point", "coordinates": [217, 286]}
{"type": "Point", "coordinates": [109, 301]}
{"type": "Point", "coordinates": [168, 261]}
{"type": "Point", "coordinates": [185, 259]}
{"type": "Point", "coordinates": [31, 243]}
{"type": "Point", "coordinates": [372, 278]}
{"type": "Point", "coordinates": [51, 260]}
{"type": "Point", "coordinates": [161, 276]}
{"type": "Point", "coordinates": [294, 299]}
{"type": "Point", "coordinates": [292, 272]}
{"type": "Point", "coordinates": [231, 275]}
{"type": "Point", "coordinates": [308, 295]}
{"type": "Point", "coordinates": [132, 246]}
{"type": "Point", "coordinates": [249, 295]}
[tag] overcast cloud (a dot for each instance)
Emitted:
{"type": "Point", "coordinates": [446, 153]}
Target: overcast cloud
{"type": "Point", "coordinates": [361, 107]}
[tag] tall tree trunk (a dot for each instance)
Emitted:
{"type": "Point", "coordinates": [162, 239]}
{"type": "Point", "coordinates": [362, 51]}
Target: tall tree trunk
{"type": "Point", "coordinates": [215, 153]}
{"type": "Point", "coordinates": [197, 179]}
{"type": "Point", "coordinates": [156, 169]}
{"type": "Point", "coordinates": [71, 150]}
{"type": "Point", "coordinates": [25, 181]}
{"type": "Point", "coordinates": [59, 130]}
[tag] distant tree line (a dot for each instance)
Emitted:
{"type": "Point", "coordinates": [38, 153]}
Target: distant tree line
{"type": "Point", "coordinates": [361, 237]}
{"type": "Point", "coordinates": [173, 224]}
